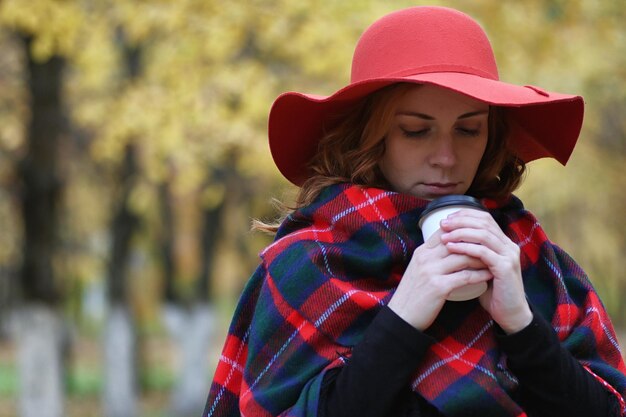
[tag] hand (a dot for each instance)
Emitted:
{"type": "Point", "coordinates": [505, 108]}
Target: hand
{"type": "Point", "coordinates": [432, 274]}
{"type": "Point", "coordinates": [475, 234]}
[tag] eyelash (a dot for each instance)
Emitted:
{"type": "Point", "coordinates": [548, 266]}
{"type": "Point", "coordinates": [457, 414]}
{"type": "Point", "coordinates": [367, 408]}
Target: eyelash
{"type": "Point", "coordinates": [424, 132]}
{"type": "Point", "coordinates": [469, 132]}
{"type": "Point", "coordinates": [415, 133]}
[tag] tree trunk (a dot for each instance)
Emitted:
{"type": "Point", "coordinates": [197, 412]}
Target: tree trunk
{"type": "Point", "coordinates": [7, 297]}
{"type": "Point", "coordinates": [39, 341]}
{"type": "Point", "coordinates": [198, 326]}
{"type": "Point", "coordinates": [120, 382]}
{"type": "Point", "coordinates": [211, 226]}
{"type": "Point", "coordinates": [123, 227]}
{"type": "Point", "coordinates": [39, 324]}
{"type": "Point", "coordinates": [166, 243]}
{"type": "Point", "coordinates": [120, 340]}
{"type": "Point", "coordinates": [120, 348]}
{"type": "Point", "coordinates": [41, 185]}
{"type": "Point", "coordinates": [193, 331]}
{"type": "Point", "coordinates": [189, 326]}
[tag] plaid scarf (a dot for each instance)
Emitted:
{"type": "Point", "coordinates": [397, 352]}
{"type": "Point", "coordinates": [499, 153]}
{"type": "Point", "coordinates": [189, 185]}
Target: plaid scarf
{"type": "Point", "coordinates": [336, 262]}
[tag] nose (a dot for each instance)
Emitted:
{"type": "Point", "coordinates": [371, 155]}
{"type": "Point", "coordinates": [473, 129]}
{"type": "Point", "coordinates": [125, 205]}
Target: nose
{"type": "Point", "coordinates": [443, 152]}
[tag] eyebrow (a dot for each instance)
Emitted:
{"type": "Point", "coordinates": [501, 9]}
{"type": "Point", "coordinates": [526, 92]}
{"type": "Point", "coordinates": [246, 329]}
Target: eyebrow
{"type": "Point", "coordinates": [427, 117]}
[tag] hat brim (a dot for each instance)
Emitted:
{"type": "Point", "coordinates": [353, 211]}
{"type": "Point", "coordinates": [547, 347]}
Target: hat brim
{"type": "Point", "coordinates": [542, 123]}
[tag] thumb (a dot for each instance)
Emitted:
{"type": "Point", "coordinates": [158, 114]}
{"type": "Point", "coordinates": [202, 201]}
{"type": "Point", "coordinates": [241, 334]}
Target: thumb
{"type": "Point", "coordinates": [485, 299]}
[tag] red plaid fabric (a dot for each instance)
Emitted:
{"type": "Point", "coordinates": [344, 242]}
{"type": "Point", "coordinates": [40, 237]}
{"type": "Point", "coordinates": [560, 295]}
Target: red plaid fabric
{"type": "Point", "coordinates": [336, 262]}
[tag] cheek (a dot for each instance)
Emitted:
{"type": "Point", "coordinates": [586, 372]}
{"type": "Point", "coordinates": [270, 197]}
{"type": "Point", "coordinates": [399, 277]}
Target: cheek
{"type": "Point", "coordinates": [403, 163]}
{"type": "Point", "coordinates": [477, 151]}
{"type": "Point", "coordinates": [397, 164]}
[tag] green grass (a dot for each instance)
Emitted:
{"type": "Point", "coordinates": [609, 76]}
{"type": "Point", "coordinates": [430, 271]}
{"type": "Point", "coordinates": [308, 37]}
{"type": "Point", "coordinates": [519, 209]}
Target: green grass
{"type": "Point", "coordinates": [84, 381]}
{"type": "Point", "coordinates": [8, 380]}
{"type": "Point", "coordinates": [156, 379]}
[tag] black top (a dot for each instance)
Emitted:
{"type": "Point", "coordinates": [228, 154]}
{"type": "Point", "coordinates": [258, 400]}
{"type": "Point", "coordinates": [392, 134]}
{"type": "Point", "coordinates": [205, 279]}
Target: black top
{"type": "Point", "coordinates": [375, 382]}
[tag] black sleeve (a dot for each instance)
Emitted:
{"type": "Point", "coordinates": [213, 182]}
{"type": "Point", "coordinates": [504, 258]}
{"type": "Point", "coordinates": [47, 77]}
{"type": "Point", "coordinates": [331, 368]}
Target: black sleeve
{"type": "Point", "coordinates": [552, 382]}
{"type": "Point", "coordinates": [375, 381]}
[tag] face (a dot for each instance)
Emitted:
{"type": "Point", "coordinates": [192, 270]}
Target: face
{"type": "Point", "coordinates": [435, 142]}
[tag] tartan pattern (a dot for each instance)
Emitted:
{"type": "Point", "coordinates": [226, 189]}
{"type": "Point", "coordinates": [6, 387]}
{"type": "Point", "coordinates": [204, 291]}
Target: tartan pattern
{"type": "Point", "coordinates": [336, 262]}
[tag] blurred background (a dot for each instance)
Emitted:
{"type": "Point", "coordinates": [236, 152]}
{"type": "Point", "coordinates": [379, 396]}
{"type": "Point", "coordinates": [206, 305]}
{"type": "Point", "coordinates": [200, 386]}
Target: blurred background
{"type": "Point", "coordinates": [133, 156]}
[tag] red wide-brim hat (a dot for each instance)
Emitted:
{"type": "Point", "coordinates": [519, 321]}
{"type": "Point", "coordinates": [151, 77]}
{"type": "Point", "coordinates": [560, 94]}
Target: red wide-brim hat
{"type": "Point", "coordinates": [426, 45]}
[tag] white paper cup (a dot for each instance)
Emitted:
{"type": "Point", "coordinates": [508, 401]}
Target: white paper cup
{"type": "Point", "coordinates": [429, 222]}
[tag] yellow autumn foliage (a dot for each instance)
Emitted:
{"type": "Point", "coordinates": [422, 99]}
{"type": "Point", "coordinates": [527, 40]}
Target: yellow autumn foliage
{"type": "Point", "coordinates": [210, 70]}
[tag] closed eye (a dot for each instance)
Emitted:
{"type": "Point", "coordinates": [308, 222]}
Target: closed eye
{"type": "Point", "coordinates": [415, 133]}
{"type": "Point", "coordinates": [468, 132]}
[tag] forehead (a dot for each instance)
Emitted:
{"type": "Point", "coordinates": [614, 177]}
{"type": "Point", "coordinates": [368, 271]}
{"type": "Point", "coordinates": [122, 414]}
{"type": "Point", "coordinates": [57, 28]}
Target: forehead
{"type": "Point", "coordinates": [425, 97]}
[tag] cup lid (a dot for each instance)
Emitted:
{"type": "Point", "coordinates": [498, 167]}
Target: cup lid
{"type": "Point", "coordinates": [452, 200]}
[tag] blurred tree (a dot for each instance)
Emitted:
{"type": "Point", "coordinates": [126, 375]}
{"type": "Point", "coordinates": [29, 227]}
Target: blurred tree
{"type": "Point", "coordinates": [166, 241]}
{"type": "Point", "coordinates": [40, 332]}
{"type": "Point", "coordinates": [120, 344]}
{"type": "Point", "coordinates": [191, 320]}
{"type": "Point", "coordinates": [12, 100]}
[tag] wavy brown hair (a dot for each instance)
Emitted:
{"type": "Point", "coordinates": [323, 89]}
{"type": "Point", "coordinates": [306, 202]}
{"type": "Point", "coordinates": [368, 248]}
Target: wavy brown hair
{"type": "Point", "coordinates": [353, 144]}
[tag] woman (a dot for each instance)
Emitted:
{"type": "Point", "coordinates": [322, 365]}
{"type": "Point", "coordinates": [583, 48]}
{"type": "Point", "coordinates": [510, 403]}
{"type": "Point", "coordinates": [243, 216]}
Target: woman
{"type": "Point", "coordinates": [347, 313]}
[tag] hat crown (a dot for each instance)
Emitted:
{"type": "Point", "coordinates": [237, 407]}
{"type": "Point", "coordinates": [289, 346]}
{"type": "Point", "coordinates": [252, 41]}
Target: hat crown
{"type": "Point", "coordinates": [423, 39]}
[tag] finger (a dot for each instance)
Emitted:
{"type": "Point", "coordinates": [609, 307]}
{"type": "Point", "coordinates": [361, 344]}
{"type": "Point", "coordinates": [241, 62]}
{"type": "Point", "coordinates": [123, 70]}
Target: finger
{"type": "Point", "coordinates": [494, 261]}
{"type": "Point", "coordinates": [485, 298]}
{"type": "Point", "coordinates": [482, 252]}
{"type": "Point", "coordinates": [458, 262]}
{"type": "Point", "coordinates": [476, 236]}
{"type": "Point", "coordinates": [477, 214]}
{"type": "Point", "coordinates": [467, 276]}
{"type": "Point", "coordinates": [472, 219]}
{"type": "Point", "coordinates": [434, 240]}
{"type": "Point", "coordinates": [478, 223]}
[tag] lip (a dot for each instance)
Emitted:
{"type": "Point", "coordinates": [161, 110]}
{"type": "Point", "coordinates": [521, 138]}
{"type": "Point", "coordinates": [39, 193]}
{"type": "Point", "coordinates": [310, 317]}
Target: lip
{"type": "Point", "coordinates": [440, 188]}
